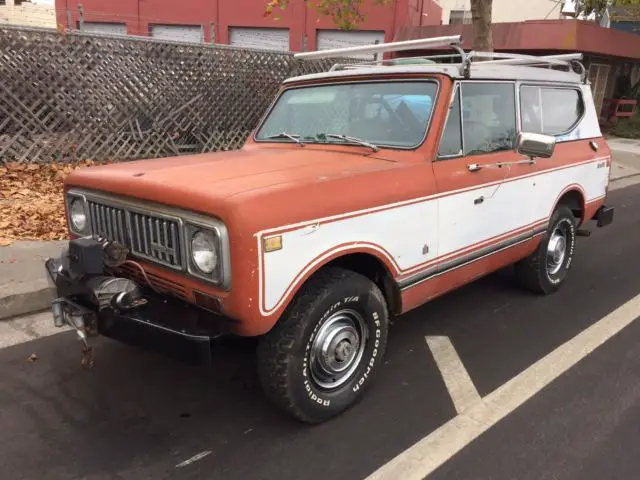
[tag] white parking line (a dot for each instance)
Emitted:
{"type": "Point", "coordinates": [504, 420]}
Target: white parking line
{"type": "Point", "coordinates": [194, 459]}
{"type": "Point", "coordinates": [461, 388]}
{"type": "Point", "coordinates": [435, 449]}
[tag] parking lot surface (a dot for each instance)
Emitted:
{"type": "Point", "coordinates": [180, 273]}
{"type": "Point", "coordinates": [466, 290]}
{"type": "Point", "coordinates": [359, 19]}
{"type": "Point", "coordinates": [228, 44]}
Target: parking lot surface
{"type": "Point", "coordinates": [138, 415]}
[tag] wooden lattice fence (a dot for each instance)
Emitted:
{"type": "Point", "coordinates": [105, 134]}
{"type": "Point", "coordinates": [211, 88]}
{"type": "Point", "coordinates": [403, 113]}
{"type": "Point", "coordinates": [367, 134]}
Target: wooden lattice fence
{"type": "Point", "coordinates": [73, 96]}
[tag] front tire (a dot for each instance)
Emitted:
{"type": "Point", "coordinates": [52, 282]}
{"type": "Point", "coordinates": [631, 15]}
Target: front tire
{"type": "Point", "coordinates": [326, 349]}
{"type": "Point", "coordinates": [547, 268]}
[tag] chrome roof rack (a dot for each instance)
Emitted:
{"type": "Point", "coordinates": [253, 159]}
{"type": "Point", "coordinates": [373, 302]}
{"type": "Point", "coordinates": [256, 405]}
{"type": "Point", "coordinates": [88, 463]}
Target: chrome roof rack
{"type": "Point", "coordinates": [455, 41]}
{"type": "Point", "coordinates": [384, 47]}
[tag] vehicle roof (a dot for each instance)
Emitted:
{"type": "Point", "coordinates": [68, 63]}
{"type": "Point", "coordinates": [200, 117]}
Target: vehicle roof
{"type": "Point", "coordinates": [478, 71]}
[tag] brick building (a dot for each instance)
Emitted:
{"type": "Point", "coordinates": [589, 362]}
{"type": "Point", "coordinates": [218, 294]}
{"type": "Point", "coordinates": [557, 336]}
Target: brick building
{"type": "Point", "coordinates": [242, 22]}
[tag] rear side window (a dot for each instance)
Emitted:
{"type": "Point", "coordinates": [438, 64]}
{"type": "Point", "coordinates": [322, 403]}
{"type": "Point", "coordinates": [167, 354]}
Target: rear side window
{"type": "Point", "coordinates": [550, 110]}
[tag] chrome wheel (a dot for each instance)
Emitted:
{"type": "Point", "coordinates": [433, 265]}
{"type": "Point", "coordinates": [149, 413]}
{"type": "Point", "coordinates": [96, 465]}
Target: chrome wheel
{"type": "Point", "coordinates": [557, 249]}
{"type": "Point", "coordinates": [337, 349]}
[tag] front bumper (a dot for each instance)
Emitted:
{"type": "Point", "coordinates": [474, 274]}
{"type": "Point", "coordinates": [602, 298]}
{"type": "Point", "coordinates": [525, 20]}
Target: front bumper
{"type": "Point", "coordinates": [159, 323]}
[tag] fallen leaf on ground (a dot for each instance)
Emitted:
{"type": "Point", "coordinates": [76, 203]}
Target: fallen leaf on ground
{"type": "Point", "coordinates": [32, 206]}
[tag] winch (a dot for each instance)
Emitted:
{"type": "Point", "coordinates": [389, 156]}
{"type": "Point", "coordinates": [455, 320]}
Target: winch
{"type": "Point", "coordinates": [85, 290]}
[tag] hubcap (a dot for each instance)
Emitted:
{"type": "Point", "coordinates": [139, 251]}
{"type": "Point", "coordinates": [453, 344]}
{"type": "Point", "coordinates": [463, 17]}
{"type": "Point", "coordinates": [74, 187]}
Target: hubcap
{"type": "Point", "coordinates": [337, 349]}
{"type": "Point", "coordinates": [556, 249]}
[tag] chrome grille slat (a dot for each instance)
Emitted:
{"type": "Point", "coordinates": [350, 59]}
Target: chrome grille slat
{"type": "Point", "coordinates": [144, 234]}
{"type": "Point", "coordinates": [151, 241]}
{"type": "Point", "coordinates": [147, 235]}
{"type": "Point", "coordinates": [121, 228]}
{"type": "Point", "coordinates": [174, 240]}
{"type": "Point", "coordinates": [93, 217]}
{"type": "Point", "coordinates": [101, 224]}
{"type": "Point", "coordinates": [169, 258]}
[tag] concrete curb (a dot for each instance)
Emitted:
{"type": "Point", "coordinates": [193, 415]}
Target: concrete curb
{"type": "Point", "coordinates": [33, 297]}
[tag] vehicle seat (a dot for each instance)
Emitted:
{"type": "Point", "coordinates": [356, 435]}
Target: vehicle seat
{"type": "Point", "coordinates": [477, 136]}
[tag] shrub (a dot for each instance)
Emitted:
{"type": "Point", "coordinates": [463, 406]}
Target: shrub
{"type": "Point", "coordinates": [628, 127]}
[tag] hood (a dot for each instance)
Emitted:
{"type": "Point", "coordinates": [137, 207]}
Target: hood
{"type": "Point", "coordinates": [221, 177]}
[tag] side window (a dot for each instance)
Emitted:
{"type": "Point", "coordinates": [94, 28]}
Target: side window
{"type": "Point", "coordinates": [550, 110]}
{"type": "Point", "coordinates": [562, 109]}
{"type": "Point", "coordinates": [531, 109]}
{"type": "Point", "coordinates": [488, 117]}
{"type": "Point", "coordinates": [451, 141]}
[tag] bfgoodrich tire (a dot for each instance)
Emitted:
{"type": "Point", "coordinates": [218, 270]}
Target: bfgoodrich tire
{"type": "Point", "coordinates": [547, 268]}
{"type": "Point", "coordinates": [326, 349]}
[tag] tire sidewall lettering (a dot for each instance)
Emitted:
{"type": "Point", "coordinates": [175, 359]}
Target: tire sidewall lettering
{"type": "Point", "coordinates": [368, 361]}
{"type": "Point", "coordinates": [560, 277]}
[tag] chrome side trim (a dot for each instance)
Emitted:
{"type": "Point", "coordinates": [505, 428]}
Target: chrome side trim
{"type": "Point", "coordinates": [464, 260]}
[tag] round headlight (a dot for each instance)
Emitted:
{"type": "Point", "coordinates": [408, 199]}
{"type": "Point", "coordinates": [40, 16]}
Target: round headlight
{"type": "Point", "coordinates": [203, 252]}
{"type": "Point", "coordinates": [78, 215]}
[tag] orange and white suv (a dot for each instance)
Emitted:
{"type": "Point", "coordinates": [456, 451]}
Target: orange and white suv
{"type": "Point", "coordinates": [364, 192]}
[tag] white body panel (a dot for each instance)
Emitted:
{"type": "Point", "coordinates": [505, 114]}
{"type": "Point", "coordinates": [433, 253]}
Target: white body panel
{"type": "Point", "coordinates": [399, 232]}
{"type": "Point", "coordinates": [589, 127]}
{"type": "Point", "coordinates": [463, 223]}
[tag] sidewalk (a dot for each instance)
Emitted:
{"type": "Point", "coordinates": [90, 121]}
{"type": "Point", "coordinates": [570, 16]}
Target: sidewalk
{"type": "Point", "coordinates": [24, 287]}
{"type": "Point", "coordinates": [626, 157]}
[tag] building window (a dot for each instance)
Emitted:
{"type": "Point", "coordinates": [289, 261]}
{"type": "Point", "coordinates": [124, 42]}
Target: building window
{"type": "Point", "coordinates": [3, 2]}
{"type": "Point", "coordinates": [460, 16]}
{"type": "Point", "coordinates": [548, 110]}
{"type": "Point", "coordinates": [598, 77]}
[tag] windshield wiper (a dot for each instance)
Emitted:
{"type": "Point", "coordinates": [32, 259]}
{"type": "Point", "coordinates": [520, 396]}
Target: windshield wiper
{"type": "Point", "coordinates": [347, 138]}
{"type": "Point", "coordinates": [290, 136]}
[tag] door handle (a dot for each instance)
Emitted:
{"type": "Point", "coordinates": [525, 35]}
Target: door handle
{"type": "Point", "coordinates": [474, 167]}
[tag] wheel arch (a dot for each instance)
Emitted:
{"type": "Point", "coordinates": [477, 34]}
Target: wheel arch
{"type": "Point", "coordinates": [573, 197]}
{"type": "Point", "coordinates": [367, 262]}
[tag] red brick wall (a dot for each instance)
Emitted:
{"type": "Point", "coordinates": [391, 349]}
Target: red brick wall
{"type": "Point", "coordinates": [139, 14]}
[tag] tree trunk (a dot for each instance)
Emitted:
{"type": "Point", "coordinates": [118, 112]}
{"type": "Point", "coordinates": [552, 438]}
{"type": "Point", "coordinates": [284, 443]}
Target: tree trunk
{"type": "Point", "coordinates": [481, 18]}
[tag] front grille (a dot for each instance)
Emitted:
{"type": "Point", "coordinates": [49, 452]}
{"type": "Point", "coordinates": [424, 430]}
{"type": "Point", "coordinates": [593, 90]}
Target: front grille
{"type": "Point", "coordinates": [155, 238]}
{"type": "Point", "coordinates": [108, 222]}
{"type": "Point", "coordinates": [146, 235]}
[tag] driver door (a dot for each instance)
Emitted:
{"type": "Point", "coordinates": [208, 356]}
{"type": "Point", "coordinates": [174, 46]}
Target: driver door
{"type": "Point", "coordinates": [480, 208]}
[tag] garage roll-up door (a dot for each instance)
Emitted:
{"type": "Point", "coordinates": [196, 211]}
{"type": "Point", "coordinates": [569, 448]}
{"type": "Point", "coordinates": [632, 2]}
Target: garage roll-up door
{"type": "Point", "coordinates": [104, 27]}
{"type": "Point", "coordinates": [328, 39]}
{"type": "Point", "coordinates": [262, 38]}
{"type": "Point", "coordinates": [178, 33]}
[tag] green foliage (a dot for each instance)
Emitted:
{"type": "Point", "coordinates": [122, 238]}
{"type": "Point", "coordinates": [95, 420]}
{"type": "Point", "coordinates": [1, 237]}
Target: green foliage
{"type": "Point", "coordinates": [628, 127]}
{"type": "Point", "coordinates": [346, 14]}
{"type": "Point", "coordinates": [599, 6]}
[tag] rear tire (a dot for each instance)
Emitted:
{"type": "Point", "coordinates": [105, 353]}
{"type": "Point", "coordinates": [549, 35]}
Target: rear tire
{"type": "Point", "coordinates": [545, 270]}
{"type": "Point", "coordinates": [326, 349]}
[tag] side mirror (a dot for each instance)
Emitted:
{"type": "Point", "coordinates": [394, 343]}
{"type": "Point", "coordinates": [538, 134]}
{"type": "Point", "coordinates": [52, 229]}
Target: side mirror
{"type": "Point", "coordinates": [535, 145]}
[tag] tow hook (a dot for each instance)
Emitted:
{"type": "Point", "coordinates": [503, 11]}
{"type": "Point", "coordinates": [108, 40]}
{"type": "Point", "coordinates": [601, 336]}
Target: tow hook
{"type": "Point", "coordinates": [82, 320]}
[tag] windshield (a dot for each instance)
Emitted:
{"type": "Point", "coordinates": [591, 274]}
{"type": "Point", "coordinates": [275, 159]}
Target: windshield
{"type": "Point", "coordinates": [391, 113]}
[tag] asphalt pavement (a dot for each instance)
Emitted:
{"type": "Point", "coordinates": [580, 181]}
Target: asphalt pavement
{"type": "Point", "coordinates": [137, 415]}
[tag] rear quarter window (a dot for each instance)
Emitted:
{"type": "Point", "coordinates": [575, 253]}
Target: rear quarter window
{"type": "Point", "coordinates": [550, 110]}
